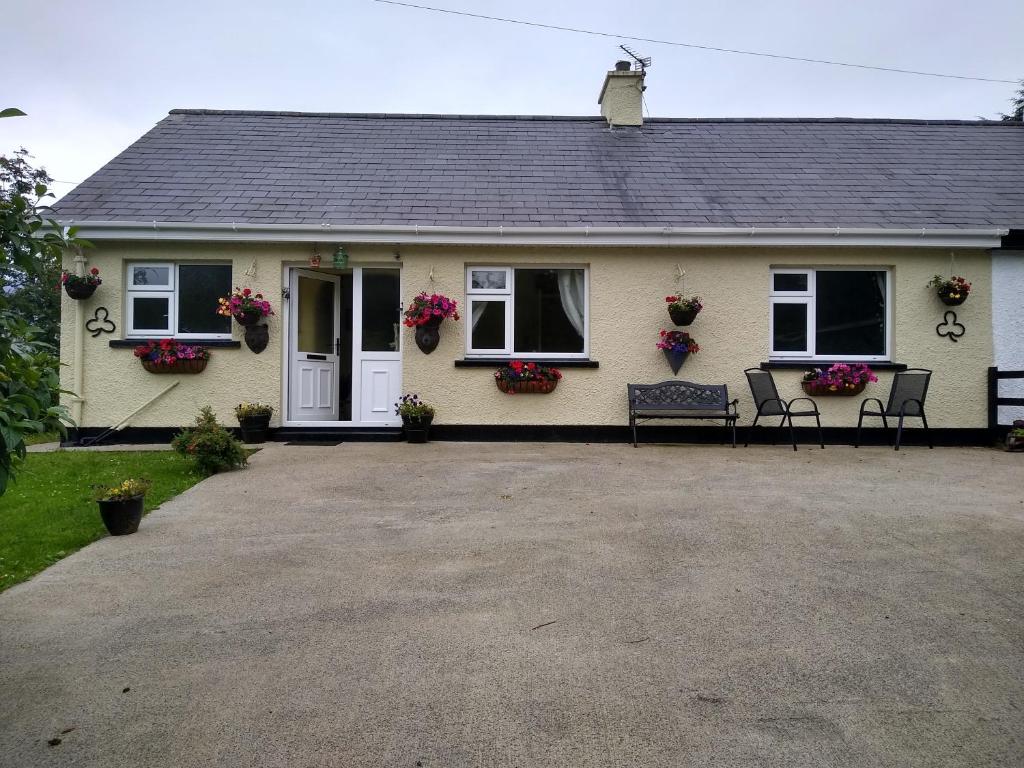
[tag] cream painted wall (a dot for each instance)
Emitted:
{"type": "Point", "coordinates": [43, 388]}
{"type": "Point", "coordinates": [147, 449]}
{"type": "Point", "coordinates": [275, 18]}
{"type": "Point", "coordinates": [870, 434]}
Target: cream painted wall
{"type": "Point", "coordinates": [627, 290]}
{"type": "Point", "coordinates": [627, 310]}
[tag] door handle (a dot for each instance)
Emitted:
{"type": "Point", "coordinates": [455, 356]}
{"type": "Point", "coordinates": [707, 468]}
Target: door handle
{"type": "Point", "coordinates": [337, 347]}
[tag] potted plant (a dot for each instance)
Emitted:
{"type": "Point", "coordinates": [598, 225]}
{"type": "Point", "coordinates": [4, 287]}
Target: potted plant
{"type": "Point", "coordinates": [80, 287]}
{"type": "Point", "coordinates": [953, 291]}
{"type": "Point", "coordinates": [1015, 438]}
{"type": "Point", "coordinates": [121, 505]}
{"type": "Point", "coordinates": [842, 379]}
{"type": "Point", "coordinates": [417, 417]}
{"type": "Point", "coordinates": [677, 346]}
{"type": "Point", "coordinates": [425, 315]}
{"type": "Point", "coordinates": [526, 378]}
{"type": "Point", "coordinates": [170, 356]}
{"type": "Point", "coordinates": [254, 421]}
{"type": "Point", "coordinates": [684, 311]}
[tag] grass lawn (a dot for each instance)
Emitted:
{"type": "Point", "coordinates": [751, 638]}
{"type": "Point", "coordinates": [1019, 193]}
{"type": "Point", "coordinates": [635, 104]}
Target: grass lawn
{"type": "Point", "coordinates": [48, 512]}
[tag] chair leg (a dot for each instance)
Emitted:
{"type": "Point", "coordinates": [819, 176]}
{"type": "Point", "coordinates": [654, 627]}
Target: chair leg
{"type": "Point", "coordinates": [792, 434]}
{"type": "Point", "coordinates": [734, 433]}
{"type": "Point", "coordinates": [860, 421]}
{"type": "Point", "coordinates": [749, 429]}
{"type": "Point", "coordinates": [899, 432]}
{"type": "Point", "coordinates": [927, 434]}
{"type": "Point", "coordinates": [821, 438]}
{"type": "Point", "coordinates": [632, 423]}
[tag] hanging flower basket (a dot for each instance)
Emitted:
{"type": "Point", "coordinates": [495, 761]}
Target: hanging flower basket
{"type": "Point", "coordinates": [952, 292]}
{"type": "Point", "coordinates": [526, 378]}
{"type": "Point", "coordinates": [80, 287]}
{"type": "Point", "coordinates": [425, 314]}
{"type": "Point", "coordinates": [677, 346]}
{"type": "Point", "coordinates": [168, 356]}
{"type": "Point", "coordinates": [684, 311]}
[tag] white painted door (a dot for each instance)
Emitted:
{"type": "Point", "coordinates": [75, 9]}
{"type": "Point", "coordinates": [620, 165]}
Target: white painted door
{"type": "Point", "coordinates": [377, 347]}
{"type": "Point", "coordinates": [315, 307]}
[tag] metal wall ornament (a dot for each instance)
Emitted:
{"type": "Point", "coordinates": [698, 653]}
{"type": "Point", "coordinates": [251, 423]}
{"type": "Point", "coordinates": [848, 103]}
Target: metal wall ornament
{"type": "Point", "coordinates": [257, 337]}
{"type": "Point", "coordinates": [100, 322]}
{"type": "Point", "coordinates": [950, 328]}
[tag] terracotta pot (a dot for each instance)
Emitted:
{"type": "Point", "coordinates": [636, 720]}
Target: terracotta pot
{"type": "Point", "coordinates": [526, 387]}
{"type": "Point", "coordinates": [257, 337]}
{"type": "Point", "coordinates": [79, 291]}
{"type": "Point", "coordinates": [810, 388]}
{"type": "Point", "coordinates": [682, 316]}
{"type": "Point", "coordinates": [248, 318]}
{"type": "Point", "coordinates": [428, 335]}
{"type": "Point", "coordinates": [675, 359]}
{"type": "Point", "coordinates": [122, 517]}
{"type": "Point", "coordinates": [951, 302]}
{"type": "Point", "coordinates": [181, 366]}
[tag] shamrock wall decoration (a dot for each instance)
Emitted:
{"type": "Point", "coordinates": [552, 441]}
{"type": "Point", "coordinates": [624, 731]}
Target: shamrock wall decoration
{"type": "Point", "coordinates": [100, 323]}
{"type": "Point", "coordinates": [950, 328]}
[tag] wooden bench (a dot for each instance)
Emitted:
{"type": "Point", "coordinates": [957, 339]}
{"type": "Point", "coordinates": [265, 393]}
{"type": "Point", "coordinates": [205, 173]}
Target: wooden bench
{"type": "Point", "coordinates": [681, 400]}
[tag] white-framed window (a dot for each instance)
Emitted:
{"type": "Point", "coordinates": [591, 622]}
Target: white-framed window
{"type": "Point", "coordinates": [830, 313]}
{"type": "Point", "coordinates": [536, 311]}
{"type": "Point", "coordinates": [176, 300]}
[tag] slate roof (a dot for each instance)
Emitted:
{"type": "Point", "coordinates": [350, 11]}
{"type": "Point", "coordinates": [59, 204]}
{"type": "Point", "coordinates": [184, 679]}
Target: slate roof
{"type": "Point", "coordinates": [310, 168]}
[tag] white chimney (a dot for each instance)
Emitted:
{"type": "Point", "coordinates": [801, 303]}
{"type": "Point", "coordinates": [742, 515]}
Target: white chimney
{"type": "Point", "coordinates": [622, 95]}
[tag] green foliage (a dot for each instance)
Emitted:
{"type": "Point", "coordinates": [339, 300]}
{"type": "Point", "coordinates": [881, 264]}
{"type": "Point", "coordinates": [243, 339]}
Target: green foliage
{"type": "Point", "coordinates": [1017, 102]}
{"type": "Point", "coordinates": [209, 445]}
{"type": "Point", "coordinates": [49, 513]}
{"type": "Point", "coordinates": [29, 391]}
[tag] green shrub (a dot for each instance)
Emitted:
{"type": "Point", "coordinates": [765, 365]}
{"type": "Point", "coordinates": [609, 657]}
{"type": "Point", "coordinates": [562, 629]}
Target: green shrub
{"type": "Point", "coordinates": [209, 445]}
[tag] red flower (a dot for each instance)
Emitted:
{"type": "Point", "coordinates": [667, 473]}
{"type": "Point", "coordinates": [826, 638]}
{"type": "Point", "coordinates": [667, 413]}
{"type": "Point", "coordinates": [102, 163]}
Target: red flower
{"type": "Point", "coordinates": [246, 291]}
{"type": "Point", "coordinates": [94, 271]}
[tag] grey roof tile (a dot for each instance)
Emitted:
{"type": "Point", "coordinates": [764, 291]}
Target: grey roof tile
{"type": "Point", "coordinates": [206, 166]}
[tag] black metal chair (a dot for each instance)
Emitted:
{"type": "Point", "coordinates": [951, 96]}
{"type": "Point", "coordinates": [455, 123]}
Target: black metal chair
{"type": "Point", "coordinates": [768, 402]}
{"type": "Point", "coordinates": [906, 398]}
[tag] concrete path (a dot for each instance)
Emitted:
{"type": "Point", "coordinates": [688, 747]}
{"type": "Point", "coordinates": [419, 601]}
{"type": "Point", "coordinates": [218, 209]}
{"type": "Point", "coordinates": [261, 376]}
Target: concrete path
{"type": "Point", "coordinates": [539, 605]}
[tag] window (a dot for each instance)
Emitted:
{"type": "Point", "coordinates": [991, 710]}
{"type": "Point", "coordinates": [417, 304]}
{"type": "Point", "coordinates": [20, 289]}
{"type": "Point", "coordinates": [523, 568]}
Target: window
{"type": "Point", "coordinates": [829, 314]}
{"type": "Point", "coordinates": [177, 300]}
{"type": "Point", "coordinates": [530, 311]}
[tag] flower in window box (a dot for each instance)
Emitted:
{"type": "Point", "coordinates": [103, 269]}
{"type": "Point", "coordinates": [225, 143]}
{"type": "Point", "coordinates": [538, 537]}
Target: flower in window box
{"type": "Point", "coordinates": [953, 291]}
{"type": "Point", "coordinates": [170, 356]}
{"type": "Point", "coordinates": [520, 377]}
{"type": "Point", "coordinates": [841, 379]}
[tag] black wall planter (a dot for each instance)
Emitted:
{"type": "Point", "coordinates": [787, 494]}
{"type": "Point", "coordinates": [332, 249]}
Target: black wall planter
{"type": "Point", "coordinates": [675, 359]}
{"type": "Point", "coordinates": [682, 316]}
{"type": "Point", "coordinates": [79, 291]}
{"type": "Point", "coordinates": [428, 335]}
{"type": "Point", "coordinates": [122, 517]}
{"type": "Point", "coordinates": [257, 337]}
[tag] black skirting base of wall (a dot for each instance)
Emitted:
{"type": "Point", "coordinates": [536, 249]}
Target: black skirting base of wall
{"type": "Point", "coordinates": [698, 434]}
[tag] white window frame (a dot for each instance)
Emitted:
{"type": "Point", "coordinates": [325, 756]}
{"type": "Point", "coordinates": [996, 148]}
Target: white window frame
{"type": "Point", "coordinates": [507, 297]}
{"type": "Point", "coordinates": [808, 298]}
{"type": "Point", "coordinates": [170, 292]}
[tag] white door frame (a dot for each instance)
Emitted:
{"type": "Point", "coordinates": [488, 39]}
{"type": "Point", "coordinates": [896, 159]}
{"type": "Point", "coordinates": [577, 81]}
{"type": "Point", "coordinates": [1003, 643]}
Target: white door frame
{"type": "Point", "coordinates": [358, 356]}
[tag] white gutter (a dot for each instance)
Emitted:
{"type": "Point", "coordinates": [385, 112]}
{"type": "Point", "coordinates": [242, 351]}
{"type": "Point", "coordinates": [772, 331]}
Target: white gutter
{"type": "Point", "coordinates": [567, 236]}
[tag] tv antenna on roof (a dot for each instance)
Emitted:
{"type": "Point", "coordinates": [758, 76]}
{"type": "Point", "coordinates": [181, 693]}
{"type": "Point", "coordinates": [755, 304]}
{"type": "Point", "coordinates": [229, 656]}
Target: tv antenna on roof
{"type": "Point", "coordinates": [642, 62]}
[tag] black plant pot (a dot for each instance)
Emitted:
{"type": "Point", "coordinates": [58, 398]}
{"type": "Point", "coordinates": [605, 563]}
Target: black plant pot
{"type": "Point", "coordinates": [79, 291]}
{"type": "Point", "coordinates": [248, 318]}
{"type": "Point", "coordinates": [675, 359]}
{"type": "Point", "coordinates": [417, 430]}
{"type": "Point", "coordinates": [257, 337]}
{"type": "Point", "coordinates": [951, 302]}
{"type": "Point", "coordinates": [254, 428]}
{"type": "Point", "coordinates": [428, 335]}
{"type": "Point", "coordinates": [122, 517]}
{"type": "Point", "coordinates": [682, 316]}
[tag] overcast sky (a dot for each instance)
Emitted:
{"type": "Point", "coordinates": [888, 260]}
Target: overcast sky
{"type": "Point", "coordinates": [94, 76]}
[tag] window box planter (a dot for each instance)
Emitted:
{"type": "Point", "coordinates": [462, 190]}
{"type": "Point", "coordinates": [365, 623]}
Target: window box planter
{"type": "Point", "coordinates": [527, 387]}
{"type": "Point", "coordinates": [819, 390]}
{"type": "Point", "coordinates": [122, 516]}
{"type": "Point", "coordinates": [79, 291]}
{"type": "Point", "coordinates": [179, 366]}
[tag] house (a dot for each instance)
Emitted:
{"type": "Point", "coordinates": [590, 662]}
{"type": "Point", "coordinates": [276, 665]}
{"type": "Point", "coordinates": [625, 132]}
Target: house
{"type": "Point", "coordinates": [809, 240]}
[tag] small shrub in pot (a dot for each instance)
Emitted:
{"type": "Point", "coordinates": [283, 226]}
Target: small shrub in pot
{"type": "Point", "coordinates": [121, 505]}
{"type": "Point", "coordinates": [211, 447]}
{"type": "Point", "coordinates": [417, 417]}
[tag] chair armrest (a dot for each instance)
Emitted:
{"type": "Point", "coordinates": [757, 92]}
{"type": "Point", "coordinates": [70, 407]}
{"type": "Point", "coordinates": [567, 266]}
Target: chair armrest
{"type": "Point", "coordinates": [809, 400]}
{"type": "Point", "coordinates": [903, 405]}
{"type": "Point", "coordinates": [867, 400]}
{"type": "Point", "coordinates": [735, 405]}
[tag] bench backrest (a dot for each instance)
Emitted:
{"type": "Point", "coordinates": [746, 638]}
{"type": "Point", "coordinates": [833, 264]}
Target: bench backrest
{"type": "Point", "coordinates": [678, 395]}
